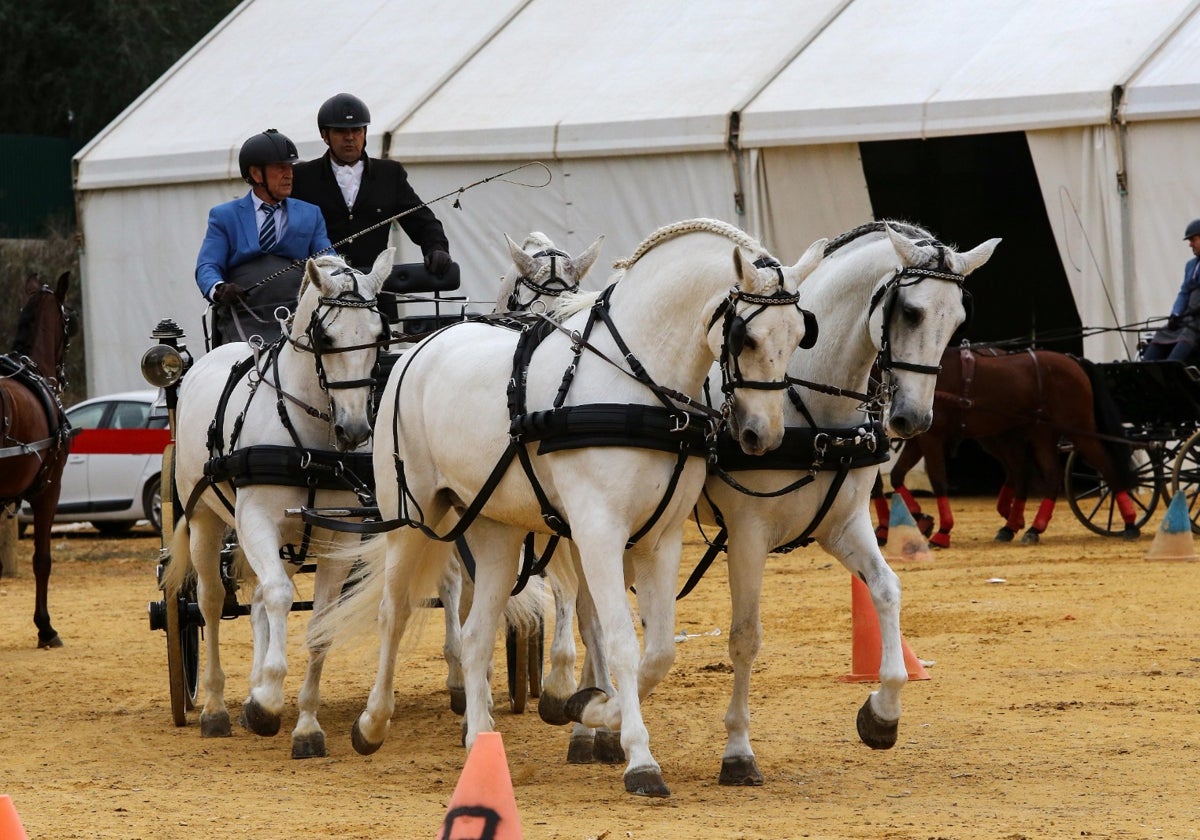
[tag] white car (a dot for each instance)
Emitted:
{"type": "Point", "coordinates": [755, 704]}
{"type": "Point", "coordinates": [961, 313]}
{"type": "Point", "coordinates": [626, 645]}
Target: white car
{"type": "Point", "coordinates": [112, 477]}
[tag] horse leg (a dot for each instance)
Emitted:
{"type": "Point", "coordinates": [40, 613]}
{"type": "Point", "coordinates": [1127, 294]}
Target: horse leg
{"type": "Point", "coordinates": [588, 744]}
{"type": "Point", "coordinates": [882, 514]}
{"type": "Point", "coordinates": [559, 683]}
{"type": "Point", "coordinates": [198, 541]}
{"type": "Point", "coordinates": [43, 519]}
{"type": "Point", "coordinates": [410, 558]}
{"type": "Point", "coordinates": [308, 738]}
{"type": "Point", "coordinates": [935, 467]}
{"type": "Point", "coordinates": [1045, 453]}
{"type": "Point", "coordinates": [455, 605]}
{"type": "Point", "coordinates": [497, 550]}
{"type": "Point", "coordinates": [601, 552]}
{"type": "Point", "coordinates": [747, 559]}
{"type": "Point", "coordinates": [854, 546]}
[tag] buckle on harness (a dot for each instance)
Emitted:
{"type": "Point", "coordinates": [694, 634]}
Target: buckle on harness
{"type": "Point", "coordinates": [679, 426]}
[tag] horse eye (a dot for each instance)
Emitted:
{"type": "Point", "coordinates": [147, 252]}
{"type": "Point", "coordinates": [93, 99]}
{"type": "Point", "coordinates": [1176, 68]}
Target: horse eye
{"type": "Point", "coordinates": [912, 315]}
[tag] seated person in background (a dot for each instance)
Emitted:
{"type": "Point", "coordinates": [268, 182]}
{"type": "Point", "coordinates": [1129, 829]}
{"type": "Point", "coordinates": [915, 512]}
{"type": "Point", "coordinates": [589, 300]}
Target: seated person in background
{"type": "Point", "coordinates": [1178, 340]}
{"type": "Point", "coordinates": [261, 235]}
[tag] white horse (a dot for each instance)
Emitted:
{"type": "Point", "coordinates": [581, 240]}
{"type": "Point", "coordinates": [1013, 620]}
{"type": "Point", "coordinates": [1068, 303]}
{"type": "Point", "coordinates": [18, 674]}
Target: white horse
{"type": "Point", "coordinates": [887, 293]}
{"type": "Point", "coordinates": [450, 426]}
{"type": "Point", "coordinates": [319, 378]}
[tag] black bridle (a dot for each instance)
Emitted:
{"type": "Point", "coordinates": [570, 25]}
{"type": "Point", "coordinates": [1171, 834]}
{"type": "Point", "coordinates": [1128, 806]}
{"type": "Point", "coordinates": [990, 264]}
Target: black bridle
{"type": "Point", "coordinates": [888, 294]}
{"type": "Point", "coordinates": [553, 286]}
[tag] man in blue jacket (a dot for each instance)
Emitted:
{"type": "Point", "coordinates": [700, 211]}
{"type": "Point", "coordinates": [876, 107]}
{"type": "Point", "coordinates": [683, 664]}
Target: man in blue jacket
{"type": "Point", "coordinates": [1179, 338]}
{"type": "Point", "coordinates": [252, 259]}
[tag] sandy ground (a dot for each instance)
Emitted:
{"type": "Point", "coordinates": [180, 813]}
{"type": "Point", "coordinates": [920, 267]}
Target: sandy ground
{"type": "Point", "coordinates": [1060, 704]}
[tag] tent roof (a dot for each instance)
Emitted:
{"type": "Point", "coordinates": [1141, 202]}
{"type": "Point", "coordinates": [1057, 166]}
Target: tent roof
{"type": "Point", "coordinates": [519, 79]}
{"type": "Point", "coordinates": [888, 69]}
{"type": "Point", "coordinates": [191, 123]}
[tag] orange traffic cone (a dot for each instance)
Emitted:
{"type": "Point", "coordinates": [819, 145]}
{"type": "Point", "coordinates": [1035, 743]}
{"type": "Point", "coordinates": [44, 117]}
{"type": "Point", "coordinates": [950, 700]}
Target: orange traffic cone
{"type": "Point", "coordinates": [905, 541]}
{"type": "Point", "coordinates": [10, 823]}
{"type": "Point", "coordinates": [1173, 540]}
{"type": "Point", "coordinates": [868, 644]}
{"type": "Point", "coordinates": [483, 806]}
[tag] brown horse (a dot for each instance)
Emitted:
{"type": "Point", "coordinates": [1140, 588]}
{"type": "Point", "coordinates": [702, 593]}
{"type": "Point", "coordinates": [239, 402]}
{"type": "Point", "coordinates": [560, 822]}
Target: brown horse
{"type": "Point", "coordinates": [1016, 406]}
{"type": "Point", "coordinates": [35, 435]}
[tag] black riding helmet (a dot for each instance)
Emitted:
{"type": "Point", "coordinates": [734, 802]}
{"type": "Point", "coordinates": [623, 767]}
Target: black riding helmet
{"type": "Point", "coordinates": [343, 111]}
{"type": "Point", "coordinates": [268, 147]}
{"type": "Point", "coordinates": [1193, 228]}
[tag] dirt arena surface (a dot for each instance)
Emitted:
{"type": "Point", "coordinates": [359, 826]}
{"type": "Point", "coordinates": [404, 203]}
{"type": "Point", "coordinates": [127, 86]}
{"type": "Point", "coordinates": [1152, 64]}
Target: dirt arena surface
{"type": "Point", "coordinates": [1062, 703]}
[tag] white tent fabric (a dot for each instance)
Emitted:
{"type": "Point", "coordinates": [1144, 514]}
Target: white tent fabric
{"type": "Point", "coordinates": [646, 113]}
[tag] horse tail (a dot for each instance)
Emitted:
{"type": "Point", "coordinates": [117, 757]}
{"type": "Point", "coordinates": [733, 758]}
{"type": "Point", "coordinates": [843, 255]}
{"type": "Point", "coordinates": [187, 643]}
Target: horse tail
{"type": "Point", "coordinates": [180, 569]}
{"type": "Point", "coordinates": [355, 612]}
{"type": "Point", "coordinates": [1108, 423]}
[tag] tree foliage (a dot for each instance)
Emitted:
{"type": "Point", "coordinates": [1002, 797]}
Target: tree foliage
{"type": "Point", "coordinates": [71, 66]}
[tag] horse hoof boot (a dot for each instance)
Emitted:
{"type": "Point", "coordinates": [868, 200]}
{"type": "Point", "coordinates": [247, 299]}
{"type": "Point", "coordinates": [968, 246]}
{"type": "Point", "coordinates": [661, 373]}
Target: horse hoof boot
{"type": "Point", "coordinates": [578, 701]}
{"type": "Point", "coordinates": [361, 745]}
{"type": "Point", "coordinates": [458, 701]}
{"type": "Point", "coordinates": [874, 731]}
{"type": "Point", "coordinates": [46, 644]}
{"type": "Point", "coordinates": [1005, 534]}
{"type": "Point", "coordinates": [581, 750]}
{"type": "Point", "coordinates": [607, 747]}
{"type": "Point", "coordinates": [553, 710]}
{"type": "Point", "coordinates": [740, 770]}
{"type": "Point", "coordinates": [215, 725]}
{"type": "Point", "coordinates": [940, 540]}
{"type": "Point", "coordinates": [311, 745]}
{"type": "Point", "coordinates": [646, 781]}
{"type": "Point", "coordinates": [1031, 537]}
{"type": "Point", "coordinates": [258, 720]}
{"type": "Point", "coordinates": [924, 524]}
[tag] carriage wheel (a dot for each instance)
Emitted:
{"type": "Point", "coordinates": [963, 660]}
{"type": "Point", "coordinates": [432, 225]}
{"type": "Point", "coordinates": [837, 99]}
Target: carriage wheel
{"type": "Point", "coordinates": [1185, 477]}
{"type": "Point", "coordinates": [183, 656]}
{"type": "Point", "coordinates": [525, 654]}
{"type": "Point", "coordinates": [1094, 503]}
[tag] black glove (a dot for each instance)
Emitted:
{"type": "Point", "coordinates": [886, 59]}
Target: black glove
{"type": "Point", "coordinates": [437, 262]}
{"type": "Point", "coordinates": [1174, 322]}
{"type": "Point", "coordinates": [227, 294]}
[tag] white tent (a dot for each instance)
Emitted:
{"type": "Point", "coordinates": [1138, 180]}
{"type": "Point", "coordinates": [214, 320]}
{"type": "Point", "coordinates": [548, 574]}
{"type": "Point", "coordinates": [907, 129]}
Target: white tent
{"type": "Point", "coordinates": [650, 112]}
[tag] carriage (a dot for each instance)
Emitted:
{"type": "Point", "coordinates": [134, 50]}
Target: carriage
{"type": "Point", "coordinates": [1159, 408]}
{"type": "Point", "coordinates": [409, 287]}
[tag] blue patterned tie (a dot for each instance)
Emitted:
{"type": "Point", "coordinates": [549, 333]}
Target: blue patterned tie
{"type": "Point", "coordinates": [266, 236]}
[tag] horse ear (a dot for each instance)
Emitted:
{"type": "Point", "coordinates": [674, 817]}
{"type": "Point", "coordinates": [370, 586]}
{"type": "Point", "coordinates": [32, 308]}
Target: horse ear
{"type": "Point", "coordinates": [382, 267]}
{"type": "Point", "coordinates": [809, 261]}
{"type": "Point", "coordinates": [32, 284]}
{"type": "Point", "coordinates": [585, 260]}
{"type": "Point", "coordinates": [964, 264]}
{"type": "Point", "coordinates": [746, 270]}
{"type": "Point", "coordinates": [64, 281]}
{"type": "Point", "coordinates": [526, 264]}
{"type": "Point", "coordinates": [906, 249]}
{"type": "Point", "coordinates": [312, 276]}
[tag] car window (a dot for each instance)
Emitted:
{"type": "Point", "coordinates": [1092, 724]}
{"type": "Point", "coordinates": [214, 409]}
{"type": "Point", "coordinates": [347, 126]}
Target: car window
{"type": "Point", "coordinates": [87, 416]}
{"type": "Point", "coordinates": [130, 415]}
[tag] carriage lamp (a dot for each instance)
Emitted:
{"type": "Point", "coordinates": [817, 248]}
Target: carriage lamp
{"type": "Point", "coordinates": [166, 362]}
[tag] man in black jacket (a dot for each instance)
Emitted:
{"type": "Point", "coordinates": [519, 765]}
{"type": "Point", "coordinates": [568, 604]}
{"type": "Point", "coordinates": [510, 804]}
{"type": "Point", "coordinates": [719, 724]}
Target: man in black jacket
{"type": "Point", "coordinates": [356, 192]}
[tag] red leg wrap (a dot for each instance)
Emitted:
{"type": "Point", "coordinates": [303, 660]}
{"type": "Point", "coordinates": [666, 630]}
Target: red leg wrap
{"type": "Point", "coordinates": [1016, 515]}
{"type": "Point", "coordinates": [1004, 501]}
{"type": "Point", "coordinates": [1125, 505]}
{"type": "Point", "coordinates": [909, 501]}
{"type": "Point", "coordinates": [1045, 511]}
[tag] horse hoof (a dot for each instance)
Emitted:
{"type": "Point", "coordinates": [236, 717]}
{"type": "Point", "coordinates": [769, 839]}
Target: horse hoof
{"type": "Point", "coordinates": [1031, 537]}
{"type": "Point", "coordinates": [578, 701]}
{"type": "Point", "coordinates": [740, 771]}
{"type": "Point", "coordinates": [553, 710]}
{"type": "Point", "coordinates": [53, 642]}
{"type": "Point", "coordinates": [607, 747]}
{"type": "Point", "coordinates": [924, 524]}
{"type": "Point", "coordinates": [361, 745]}
{"type": "Point", "coordinates": [874, 731]}
{"type": "Point", "coordinates": [1005, 534]}
{"type": "Point", "coordinates": [311, 745]}
{"type": "Point", "coordinates": [940, 540]}
{"type": "Point", "coordinates": [1131, 532]}
{"type": "Point", "coordinates": [581, 750]}
{"type": "Point", "coordinates": [215, 726]}
{"type": "Point", "coordinates": [458, 701]}
{"type": "Point", "coordinates": [258, 720]}
{"type": "Point", "coordinates": [646, 781]}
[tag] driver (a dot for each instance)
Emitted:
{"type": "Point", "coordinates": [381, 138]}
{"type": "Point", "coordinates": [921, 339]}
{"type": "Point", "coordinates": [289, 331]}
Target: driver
{"type": "Point", "coordinates": [264, 234]}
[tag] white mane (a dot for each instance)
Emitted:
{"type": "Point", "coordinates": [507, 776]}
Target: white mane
{"type": "Point", "coordinates": [668, 232]}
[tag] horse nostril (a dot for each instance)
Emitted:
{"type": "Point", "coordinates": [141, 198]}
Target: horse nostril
{"type": "Point", "coordinates": [750, 440]}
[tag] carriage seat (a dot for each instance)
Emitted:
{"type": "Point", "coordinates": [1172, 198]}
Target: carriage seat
{"type": "Point", "coordinates": [411, 279]}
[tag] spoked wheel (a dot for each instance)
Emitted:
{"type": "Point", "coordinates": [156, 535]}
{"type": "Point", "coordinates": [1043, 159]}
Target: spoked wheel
{"type": "Point", "coordinates": [525, 653]}
{"type": "Point", "coordinates": [1094, 503]}
{"type": "Point", "coordinates": [183, 654]}
{"type": "Point", "coordinates": [1185, 478]}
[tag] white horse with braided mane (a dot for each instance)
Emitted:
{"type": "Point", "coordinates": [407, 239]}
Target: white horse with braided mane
{"type": "Point", "coordinates": [887, 293]}
{"type": "Point", "coordinates": [635, 356]}
{"type": "Point", "coordinates": [307, 397]}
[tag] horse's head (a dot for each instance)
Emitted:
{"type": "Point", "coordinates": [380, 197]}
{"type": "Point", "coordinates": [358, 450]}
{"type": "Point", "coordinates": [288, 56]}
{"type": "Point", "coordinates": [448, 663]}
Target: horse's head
{"type": "Point", "coordinates": [540, 270]}
{"type": "Point", "coordinates": [915, 310]}
{"type": "Point", "coordinates": [753, 333]}
{"type": "Point", "coordinates": [45, 327]}
{"type": "Point", "coordinates": [338, 321]}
